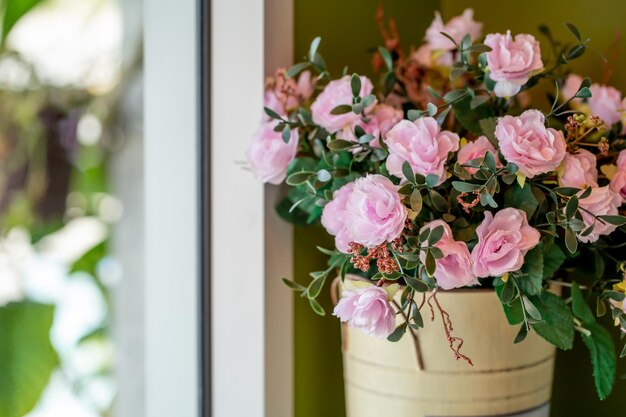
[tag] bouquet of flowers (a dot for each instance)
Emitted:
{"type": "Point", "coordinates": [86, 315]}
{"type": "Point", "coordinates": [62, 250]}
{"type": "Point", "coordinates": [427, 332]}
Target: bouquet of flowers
{"type": "Point", "coordinates": [450, 174]}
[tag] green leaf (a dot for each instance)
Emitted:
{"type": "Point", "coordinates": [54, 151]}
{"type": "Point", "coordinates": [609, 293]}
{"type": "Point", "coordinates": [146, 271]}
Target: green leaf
{"type": "Point", "coordinates": [614, 220]}
{"type": "Point", "coordinates": [435, 235]}
{"type": "Point", "coordinates": [571, 208]}
{"type": "Point", "coordinates": [386, 57]}
{"type": "Point", "coordinates": [355, 85]}
{"type": "Point", "coordinates": [13, 12]}
{"type": "Point", "coordinates": [317, 307]}
{"type": "Point", "coordinates": [416, 201]}
{"type": "Point", "coordinates": [478, 101]}
{"type": "Point", "coordinates": [315, 287]}
{"type": "Point", "coordinates": [531, 309]}
{"type": "Point", "coordinates": [521, 198]}
{"type": "Point", "coordinates": [298, 178]}
{"type": "Point", "coordinates": [530, 283]}
{"type": "Point", "coordinates": [407, 171]}
{"type": "Point", "coordinates": [603, 358]}
{"type": "Point", "coordinates": [432, 109]}
{"type": "Point", "coordinates": [417, 316]}
{"type": "Point", "coordinates": [508, 292]}
{"type": "Point", "coordinates": [27, 358]}
{"type": "Point", "coordinates": [580, 307]}
{"type": "Point", "coordinates": [488, 128]}
{"type": "Point", "coordinates": [521, 335]}
{"type": "Point", "coordinates": [574, 30]}
{"type": "Point", "coordinates": [584, 92]}
{"type": "Point", "coordinates": [553, 258]}
{"type": "Point", "coordinates": [417, 284]}
{"type": "Point", "coordinates": [557, 326]}
{"type": "Point", "coordinates": [454, 95]}
{"type": "Point", "coordinates": [341, 109]}
{"type": "Point", "coordinates": [286, 134]}
{"type": "Point", "coordinates": [571, 242]}
{"type": "Point", "coordinates": [297, 69]}
{"type": "Point", "coordinates": [397, 333]}
{"type": "Point", "coordinates": [465, 187]}
{"type": "Point", "coordinates": [339, 144]}
{"type": "Point", "coordinates": [431, 264]}
{"type": "Point", "coordinates": [413, 114]}
{"type": "Point", "coordinates": [271, 113]}
{"type": "Point", "coordinates": [431, 180]}
{"type": "Point", "coordinates": [293, 285]}
{"type": "Point", "coordinates": [314, 46]}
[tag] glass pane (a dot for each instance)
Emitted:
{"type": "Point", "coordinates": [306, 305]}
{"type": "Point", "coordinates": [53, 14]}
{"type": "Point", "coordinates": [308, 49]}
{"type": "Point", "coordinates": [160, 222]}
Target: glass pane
{"type": "Point", "coordinates": [71, 304]}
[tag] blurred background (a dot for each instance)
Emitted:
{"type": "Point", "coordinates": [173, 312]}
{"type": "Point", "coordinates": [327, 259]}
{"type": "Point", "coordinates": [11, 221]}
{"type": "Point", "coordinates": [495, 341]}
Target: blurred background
{"type": "Point", "coordinates": [71, 196]}
{"type": "Point", "coordinates": [70, 171]}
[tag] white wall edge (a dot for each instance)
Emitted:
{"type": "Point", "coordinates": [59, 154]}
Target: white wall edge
{"type": "Point", "coordinates": [171, 208]}
{"type": "Point", "coordinates": [237, 224]}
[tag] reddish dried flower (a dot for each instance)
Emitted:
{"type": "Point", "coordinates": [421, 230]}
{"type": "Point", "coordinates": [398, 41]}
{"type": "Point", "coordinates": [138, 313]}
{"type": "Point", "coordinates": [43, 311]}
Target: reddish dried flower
{"type": "Point", "coordinates": [603, 146]}
{"type": "Point", "coordinates": [468, 206]}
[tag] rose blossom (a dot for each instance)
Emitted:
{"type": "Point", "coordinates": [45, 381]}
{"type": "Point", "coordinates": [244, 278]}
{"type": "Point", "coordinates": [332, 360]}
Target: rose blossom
{"type": "Point", "coordinates": [368, 211]}
{"type": "Point", "coordinates": [454, 270]}
{"type": "Point", "coordinates": [285, 94]}
{"type": "Point", "coordinates": [476, 149]}
{"type": "Point", "coordinates": [338, 92]}
{"type": "Point", "coordinates": [268, 155]}
{"type": "Point", "coordinates": [367, 309]}
{"type": "Point", "coordinates": [618, 182]}
{"type": "Point", "coordinates": [387, 117]}
{"type": "Point", "coordinates": [602, 201]}
{"type": "Point", "coordinates": [606, 103]}
{"type": "Point", "coordinates": [456, 28]}
{"type": "Point", "coordinates": [526, 142]}
{"type": "Point", "coordinates": [424, 56]}
{"type": "Point", "coordinates": [512, 61]}
{"type": "Point", "coordinates": [374, 211]}
{"type": "Point", "coordinates": [382, 119]}
{"type": "Point", "coordinates": [503, 241]}
{"type": "Point", "coordinates": [571, 86]}
{"type": "Point", "coordinates": [334, 217]}
{"type": "Point", "coordinates": [578, 170]}
{"type": "Point", "coordinates": [423, 145]}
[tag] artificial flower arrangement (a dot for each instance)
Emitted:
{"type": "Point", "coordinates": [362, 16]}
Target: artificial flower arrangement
{"type": "Point", "coordinates": [450, 176]}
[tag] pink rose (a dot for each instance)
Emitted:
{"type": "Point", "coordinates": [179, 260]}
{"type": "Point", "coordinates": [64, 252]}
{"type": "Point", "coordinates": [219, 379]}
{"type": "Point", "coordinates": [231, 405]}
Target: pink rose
{"type": "Point", "coordinates": [476, 149]}
{"type": "Point", "coordinates": [526, 142]}
{"type": "Point", "coordinates": [338, 92]}
{"type": "Point", "coordinates": [374, 210]}
{"type": "Point", "coordinates": [387, 117]}
{"type": "Point", "coordinates": [512, 61]}
{"type": "Point", "coordinates": [335, 216]}
{"type": "Point", "coordinates": [606, 103]}
{"type": "Point", "coordinates": [457, 28]}
{"type": "Point", "coordinates": [423, 145]}
{"type": "Point", "coordinates": [268, 155]}
{"type": "Point", "coordinates": [454, 270]}
{"type": "Point", "coordinates": [383, 118]}
{"type": "Point", "coordinates": [370, 128]}
{"type": "Point", "coordinates": [503, 241]}
{"type": "Point", "coordinates": [578, 170]}
{"type": "Point", "coordinates": [618, 182]}
{"type": "Point", "coordinates": [571, 86]}
{"type": "Point", "coordinates": [285, 94]}
{"type": "Point", "coordinates": [367, 309]}
{"type": "Point", "coordinates": [602, 201]}
{"type": "Point", "coordinates": [424, 56]}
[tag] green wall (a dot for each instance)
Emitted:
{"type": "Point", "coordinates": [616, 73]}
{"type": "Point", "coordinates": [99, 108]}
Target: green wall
{"type": "Point", "coordinates": [348, 32]}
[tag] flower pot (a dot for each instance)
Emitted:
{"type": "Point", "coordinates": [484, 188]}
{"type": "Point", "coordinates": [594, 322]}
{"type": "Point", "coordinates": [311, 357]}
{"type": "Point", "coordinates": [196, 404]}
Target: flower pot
{"type": "Point", "coordinates": [383, 378]}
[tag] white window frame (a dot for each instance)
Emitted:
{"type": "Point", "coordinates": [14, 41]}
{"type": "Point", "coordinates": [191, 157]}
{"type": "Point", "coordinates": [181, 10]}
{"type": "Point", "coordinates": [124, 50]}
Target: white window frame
{"type": "Point", "coordinates": [250, 248]}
